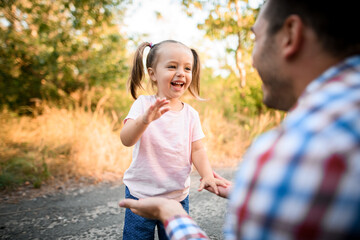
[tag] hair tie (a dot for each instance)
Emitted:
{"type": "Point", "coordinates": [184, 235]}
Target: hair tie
{"type": "Point", "coordinates": [151, 45]}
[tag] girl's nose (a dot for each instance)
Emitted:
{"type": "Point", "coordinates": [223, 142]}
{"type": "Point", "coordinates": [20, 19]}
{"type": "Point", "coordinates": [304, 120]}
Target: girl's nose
{"type": "Point", "coordinates": [180, 72]}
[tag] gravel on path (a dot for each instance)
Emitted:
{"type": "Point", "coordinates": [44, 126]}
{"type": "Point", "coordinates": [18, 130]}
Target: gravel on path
{"type": "Point", "coordinates": [92, 212]}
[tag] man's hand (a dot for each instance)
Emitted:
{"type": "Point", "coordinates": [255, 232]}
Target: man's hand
{"type": "Point", "coordinates": [154, 208]}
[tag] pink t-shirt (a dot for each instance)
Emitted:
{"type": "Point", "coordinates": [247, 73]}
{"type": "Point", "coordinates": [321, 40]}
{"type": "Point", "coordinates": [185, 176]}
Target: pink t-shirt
{"type": "Point", "coordinates": [161, 162]}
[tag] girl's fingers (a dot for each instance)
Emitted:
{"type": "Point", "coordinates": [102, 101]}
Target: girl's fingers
{"type": "Point", "coordinates": [214, 186]}
{"type": "Point", "coordinates": [156, 110]}
{"type": "Point", "coordinates": [221, 183]}
{"type": "Point", "coordinates": [163, 104]}
{"type": "Point", "coordinates": [160, 103]}
{"type": "Point", "coordinates": [209, 185]}
{"type": "Point", "coordinates": [217, 176]}
{"type": "Point", "coordinates": [201, 186]}
{"type": "Point", "coordinates": [164, 110]}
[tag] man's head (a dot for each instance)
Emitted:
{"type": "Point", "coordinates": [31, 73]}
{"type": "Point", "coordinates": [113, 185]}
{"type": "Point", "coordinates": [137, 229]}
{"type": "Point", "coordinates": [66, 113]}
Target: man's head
{"type": "Point", "coordinates": [296, 40]}
{"type": "Point", "coordinates": [334, 22]}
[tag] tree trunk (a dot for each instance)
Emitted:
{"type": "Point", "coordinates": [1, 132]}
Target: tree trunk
{"type": "Point", "coordinates": [238, 55]}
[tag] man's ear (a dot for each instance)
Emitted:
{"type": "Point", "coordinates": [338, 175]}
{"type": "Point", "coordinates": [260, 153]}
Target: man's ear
{"type": "Point", "coordinates": [151, 74]}
{"type": "Point", "coordinates": [293, 34]}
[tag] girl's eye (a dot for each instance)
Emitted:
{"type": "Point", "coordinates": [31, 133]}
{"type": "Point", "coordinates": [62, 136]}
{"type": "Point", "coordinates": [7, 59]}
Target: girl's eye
{"type": "Point", "coordinates": [188, 69]}
{"type": "Point", "coordinates": [171, 66]}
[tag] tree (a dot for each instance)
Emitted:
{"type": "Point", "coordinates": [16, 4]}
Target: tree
{"type": "Point", "coordinates": [51, 49]}
{"type": "Point", "coordinates": [226, 19]}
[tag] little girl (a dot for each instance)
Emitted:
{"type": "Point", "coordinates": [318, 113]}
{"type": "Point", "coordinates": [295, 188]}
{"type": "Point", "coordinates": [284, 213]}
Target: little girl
{"type": "Point", "coordinates": [166, 132]}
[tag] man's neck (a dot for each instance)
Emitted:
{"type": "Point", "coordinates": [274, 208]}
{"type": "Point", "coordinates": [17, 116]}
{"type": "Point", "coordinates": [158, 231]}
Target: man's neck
{"type": "Point", "coordinates": [313, 62]}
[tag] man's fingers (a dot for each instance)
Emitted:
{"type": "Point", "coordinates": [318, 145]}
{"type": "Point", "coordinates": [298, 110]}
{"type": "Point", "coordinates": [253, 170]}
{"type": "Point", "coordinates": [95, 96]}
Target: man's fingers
{"type": "Point", "coordinates": [210, 189]}
{"type": "Point", "coordinates": [134, 210]}
{"type": "Point", "coordinates": [128, 203]}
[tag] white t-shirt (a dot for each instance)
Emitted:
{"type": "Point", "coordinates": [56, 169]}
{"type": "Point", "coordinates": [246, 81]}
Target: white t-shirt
{"type": "Point", "coordinates": [161, 162]}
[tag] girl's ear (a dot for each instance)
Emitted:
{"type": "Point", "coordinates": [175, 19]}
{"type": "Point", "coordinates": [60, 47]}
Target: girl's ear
{"type": "Point", "coordinates": [151, 74]}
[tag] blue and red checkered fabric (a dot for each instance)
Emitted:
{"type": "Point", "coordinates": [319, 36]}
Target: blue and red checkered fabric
{"type": "Point", "coordinates": [301, 180]}
{"type": "Point", "coordinates": [183, 228]}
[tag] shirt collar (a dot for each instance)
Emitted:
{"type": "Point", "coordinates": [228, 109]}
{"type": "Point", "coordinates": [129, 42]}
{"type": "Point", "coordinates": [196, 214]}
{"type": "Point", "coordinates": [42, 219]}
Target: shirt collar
{"type": "Point", "coordinates": [351, 62]}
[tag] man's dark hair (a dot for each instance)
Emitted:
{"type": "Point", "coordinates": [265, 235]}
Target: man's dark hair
{"type": "Point", "coordinates": [335, 23]}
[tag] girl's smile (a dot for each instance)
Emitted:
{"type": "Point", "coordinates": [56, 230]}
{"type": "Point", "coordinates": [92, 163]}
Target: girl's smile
{"type": "Point", "coordinates": [178, 84]}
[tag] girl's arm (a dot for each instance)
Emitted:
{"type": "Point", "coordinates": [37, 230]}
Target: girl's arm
{"type": "Point", "coordinates": [133, 129]}
{"type": "Point", "coordinates": [202, 164]}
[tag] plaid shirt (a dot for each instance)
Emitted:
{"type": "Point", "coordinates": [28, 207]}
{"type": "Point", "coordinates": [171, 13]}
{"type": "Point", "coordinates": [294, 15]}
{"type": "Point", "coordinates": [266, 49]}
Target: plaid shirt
{"type": "Point", "coordinates": [300, 180]}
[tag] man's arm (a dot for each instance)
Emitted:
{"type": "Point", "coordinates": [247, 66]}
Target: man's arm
{"type": "Point", "coordinates": [178, 224]}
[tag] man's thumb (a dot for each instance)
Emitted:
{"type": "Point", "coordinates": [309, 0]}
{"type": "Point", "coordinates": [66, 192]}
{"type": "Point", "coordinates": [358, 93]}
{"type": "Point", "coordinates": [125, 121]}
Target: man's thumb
{"type": "Point", "coordinates": [126, 203]}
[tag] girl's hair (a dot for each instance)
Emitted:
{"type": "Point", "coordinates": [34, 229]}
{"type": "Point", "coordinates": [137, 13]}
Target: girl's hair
{"type": "Point", "coordinates": [137, 73]}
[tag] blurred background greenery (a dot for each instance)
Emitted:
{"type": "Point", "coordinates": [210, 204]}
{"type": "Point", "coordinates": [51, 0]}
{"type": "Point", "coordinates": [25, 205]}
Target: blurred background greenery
{"type": "Point", "coordinates": [63, 71]}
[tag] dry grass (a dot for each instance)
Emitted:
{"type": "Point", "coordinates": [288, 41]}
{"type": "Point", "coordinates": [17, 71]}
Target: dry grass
{"type": "Point", "coordinates": [72, 143]}
{"type": "Point", "coordinates": [77, 143]}
{"type": "Point", "coordinates": [227, 142]}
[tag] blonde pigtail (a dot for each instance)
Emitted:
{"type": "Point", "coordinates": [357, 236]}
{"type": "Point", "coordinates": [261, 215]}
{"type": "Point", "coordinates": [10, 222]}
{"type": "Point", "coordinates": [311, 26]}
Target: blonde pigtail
{"type": "Point", "coordinates": [194, 87]}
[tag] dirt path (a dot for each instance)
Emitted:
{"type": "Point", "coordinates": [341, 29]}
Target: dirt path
{"type": "Point", "coordinates": [93, 213]}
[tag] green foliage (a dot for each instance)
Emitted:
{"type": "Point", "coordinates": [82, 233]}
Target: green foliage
{"type": "Point", "coordinates": [18, 170]}
{"type": "Point", "coordinates": [225, 18]}
{"type": "Point", "coordinates": [226, 94]}
{"type": "Point", "coordinates": [232, 20]}
{"type": "Point", "coordinates": [247, 100]}
{"type": "Point", "coordinates": [50, 49]}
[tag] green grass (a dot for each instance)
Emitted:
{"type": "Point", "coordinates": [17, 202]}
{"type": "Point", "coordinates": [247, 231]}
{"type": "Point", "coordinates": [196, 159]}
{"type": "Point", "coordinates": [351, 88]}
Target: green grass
{"type": "Point", "coordinates": [19, 170]}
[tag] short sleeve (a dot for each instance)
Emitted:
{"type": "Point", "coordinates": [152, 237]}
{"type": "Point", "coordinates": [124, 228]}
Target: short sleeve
{"type": "Point", "coordinates": [197, 130]}
{"type": "Point", "coordinates": [136, 109]}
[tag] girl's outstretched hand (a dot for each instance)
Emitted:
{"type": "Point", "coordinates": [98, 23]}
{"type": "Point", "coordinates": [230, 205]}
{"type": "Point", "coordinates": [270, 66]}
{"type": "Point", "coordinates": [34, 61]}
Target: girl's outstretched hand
{"type": "Point", "coordinates": [213, 183]}
{"type": "Point", "coordinates": [222, 190]}
{"type": "Point", "coordinates": [156, 110]}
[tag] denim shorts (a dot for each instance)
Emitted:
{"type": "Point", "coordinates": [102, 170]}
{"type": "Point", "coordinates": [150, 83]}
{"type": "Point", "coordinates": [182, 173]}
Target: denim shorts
{"type": "Point", "coordinates": [136, 227]}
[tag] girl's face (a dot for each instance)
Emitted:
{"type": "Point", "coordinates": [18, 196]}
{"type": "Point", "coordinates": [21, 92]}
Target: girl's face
{"type": "Point", "coordinates": [173, 70]}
